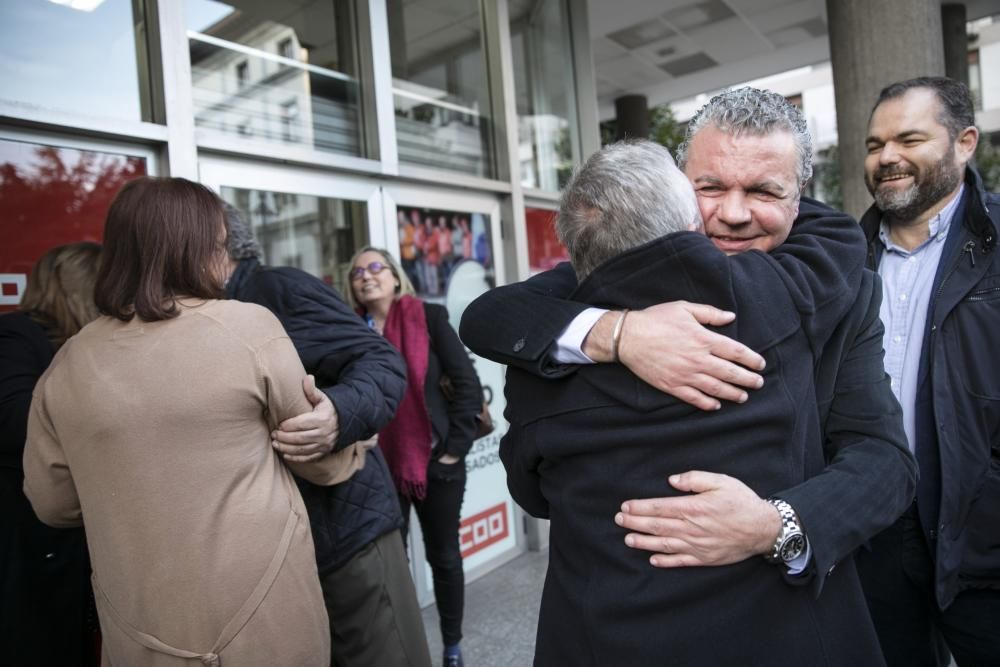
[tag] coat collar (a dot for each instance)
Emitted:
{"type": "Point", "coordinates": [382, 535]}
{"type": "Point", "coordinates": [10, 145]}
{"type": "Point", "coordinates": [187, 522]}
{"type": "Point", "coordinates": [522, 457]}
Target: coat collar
{"type": "Point", "coordinates": [245, 269]}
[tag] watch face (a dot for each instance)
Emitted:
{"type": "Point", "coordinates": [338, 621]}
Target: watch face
{"type": "Point", "coordinates": [793, 548]}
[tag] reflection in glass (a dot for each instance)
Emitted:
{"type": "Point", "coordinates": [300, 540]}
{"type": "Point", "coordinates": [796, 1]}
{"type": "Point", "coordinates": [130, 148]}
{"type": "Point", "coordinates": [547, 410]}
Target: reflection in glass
{"type": "Point", "coordinates": [277, 72]}
{"type": "Point", "coordinates": [82, 60]}
{"type": "Point", "coordinates": [316, 234]}
{"type": "Point", "coordinates": [49, 196]}
{"type": "Point", "coordinates": [544, 248]}
{"type": "Point", "coordinates": [434, 244]}
{"type": "Point", "coordinates": [440, 87]}
{"type": "Point", "coordinates": [546, 97]}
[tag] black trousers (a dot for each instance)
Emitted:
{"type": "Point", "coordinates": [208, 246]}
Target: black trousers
{"type": "Point", "coordinates": [439, 514]}
{"type": "Point", "coordinates": [898, 579]}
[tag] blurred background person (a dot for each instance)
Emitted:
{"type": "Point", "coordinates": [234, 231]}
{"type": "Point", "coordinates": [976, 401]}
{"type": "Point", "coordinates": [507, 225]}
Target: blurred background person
{"type": "Point", "coordinates": [153, 426]}
{"type": "Point", "coordinates": [374, 615]}
{"type": "Point", "coordinates": [432, 258]}
{"type": "Point", "coordinates": [426, 443]}
{"type": "Point", "coordinates": [45, 587]}
{"type": "Point", "coordinates": [407, 246]}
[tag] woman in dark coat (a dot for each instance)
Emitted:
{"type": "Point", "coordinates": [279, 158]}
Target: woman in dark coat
{"type": "Point", "coordinates": [426, 443]}
{"type": "Point", "coordinates": [45, 598]}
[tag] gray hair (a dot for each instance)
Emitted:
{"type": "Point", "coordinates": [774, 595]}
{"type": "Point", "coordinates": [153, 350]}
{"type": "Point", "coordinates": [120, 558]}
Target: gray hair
{"type": "Point", "coordinates": [757, 113]}
{"type": "Point", "coordinates": [627, 194]}
{"type": "Point", "coordinates": [240, 243]}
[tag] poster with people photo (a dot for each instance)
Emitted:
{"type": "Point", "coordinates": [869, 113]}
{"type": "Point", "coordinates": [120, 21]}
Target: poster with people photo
{"type": "Point", "coordinates": [434, 244]}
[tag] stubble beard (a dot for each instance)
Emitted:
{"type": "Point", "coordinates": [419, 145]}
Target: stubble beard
{"type": "Point", "coordinates": [928, 188]}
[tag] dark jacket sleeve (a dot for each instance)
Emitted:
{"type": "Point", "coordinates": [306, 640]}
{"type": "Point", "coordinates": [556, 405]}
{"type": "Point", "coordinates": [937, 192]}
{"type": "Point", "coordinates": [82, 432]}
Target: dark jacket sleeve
{"type": "Point", "coordinates": [870, 477]}
{"type": "Point", "coordinates": [468, 393]}
{"type": "Point", "coordinates": [360, 371]}
{"type": "Point", "coordinates": [518, 324]}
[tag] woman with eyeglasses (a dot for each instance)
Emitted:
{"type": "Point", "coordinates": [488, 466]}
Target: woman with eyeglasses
{"type": "Point", "coordinates": [426, 443]}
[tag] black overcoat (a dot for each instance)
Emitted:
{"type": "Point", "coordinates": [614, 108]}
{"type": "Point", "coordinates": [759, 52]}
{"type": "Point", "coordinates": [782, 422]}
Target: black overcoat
{"type": "Point", "coordinates": [578, 447]}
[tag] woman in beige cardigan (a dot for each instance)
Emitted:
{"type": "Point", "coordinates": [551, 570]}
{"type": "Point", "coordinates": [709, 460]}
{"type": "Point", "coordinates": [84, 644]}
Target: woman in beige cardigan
{"type": "Point", "coordinates": [152, 428]}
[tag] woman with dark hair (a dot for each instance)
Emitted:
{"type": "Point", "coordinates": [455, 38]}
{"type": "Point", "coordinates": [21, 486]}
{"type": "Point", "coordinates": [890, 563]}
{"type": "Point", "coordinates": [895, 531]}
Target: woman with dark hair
{"type": "Point", "coordinates": [426, 443]}
{"type": "Point", "coordinates": [152, 426]}
{"type": "Point", "coordinates": [44, 572]}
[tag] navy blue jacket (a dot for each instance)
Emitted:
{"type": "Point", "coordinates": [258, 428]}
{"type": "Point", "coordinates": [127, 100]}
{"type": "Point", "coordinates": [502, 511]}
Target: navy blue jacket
{"type": "Point", "coordinates": [958, 397]}
{"type": "Point", "coordinates": [365, 379]}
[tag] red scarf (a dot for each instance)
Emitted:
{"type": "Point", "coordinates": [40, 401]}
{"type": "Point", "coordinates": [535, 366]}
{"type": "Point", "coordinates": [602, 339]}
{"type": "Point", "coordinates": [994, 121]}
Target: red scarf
{"type": "Point", "coordinates": [406, 440]}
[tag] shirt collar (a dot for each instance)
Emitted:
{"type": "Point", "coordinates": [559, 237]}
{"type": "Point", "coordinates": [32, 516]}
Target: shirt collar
{"type": "Point", "coordinates": [937, 228]}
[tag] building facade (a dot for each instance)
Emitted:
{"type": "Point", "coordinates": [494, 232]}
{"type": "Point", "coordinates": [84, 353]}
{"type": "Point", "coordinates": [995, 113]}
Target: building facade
{"type": "Point", "coordinates": [439, 129]}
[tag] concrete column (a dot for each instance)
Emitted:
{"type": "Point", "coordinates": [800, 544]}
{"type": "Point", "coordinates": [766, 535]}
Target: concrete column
{"type": "Point", "coordinates": [632, 117]}
{"type": "Point", "coordinates": [873, 44]}
{"type": "Point", "coordinates": [956, 41]}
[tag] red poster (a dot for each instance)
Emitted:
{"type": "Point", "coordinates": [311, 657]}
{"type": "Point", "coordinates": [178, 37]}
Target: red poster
{"type": "Point", "coordinates": [50, 196]}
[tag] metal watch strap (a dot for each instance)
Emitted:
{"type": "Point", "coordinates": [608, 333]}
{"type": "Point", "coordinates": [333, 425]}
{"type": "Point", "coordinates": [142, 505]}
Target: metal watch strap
{"type": "Point", "coordinates": [790, 528]}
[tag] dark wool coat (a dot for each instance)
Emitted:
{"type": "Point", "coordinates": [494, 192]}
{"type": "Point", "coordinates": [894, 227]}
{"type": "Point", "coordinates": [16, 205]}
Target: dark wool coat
{"type": "Point", "coordinates": [958, 409]}
{"type": "Point", "coordinates": [870, 475]}
{"type": "Point", "coordinates": [365, 379]}
{"type": "Point", "coordinates": [580, 446]}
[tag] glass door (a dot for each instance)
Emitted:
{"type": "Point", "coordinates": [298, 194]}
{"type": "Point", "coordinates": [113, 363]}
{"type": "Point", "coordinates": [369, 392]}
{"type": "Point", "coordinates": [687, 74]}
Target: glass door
{"type": "Point", "coordinates": [304, 218]}
{"type": "Point", "coordinates": [55, 190]}
{"type": "Point", "coordinates": [448, 242]}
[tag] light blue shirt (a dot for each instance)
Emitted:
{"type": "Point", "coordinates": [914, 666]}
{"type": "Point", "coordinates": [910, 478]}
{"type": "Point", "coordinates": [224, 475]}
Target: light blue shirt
{"type": "Point", "coordinates": [907, 281]}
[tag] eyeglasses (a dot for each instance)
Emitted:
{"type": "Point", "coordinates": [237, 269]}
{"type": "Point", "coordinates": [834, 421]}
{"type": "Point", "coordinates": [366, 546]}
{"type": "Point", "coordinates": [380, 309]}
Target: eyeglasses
{"type": "Point", "coordinates": [359, 271]}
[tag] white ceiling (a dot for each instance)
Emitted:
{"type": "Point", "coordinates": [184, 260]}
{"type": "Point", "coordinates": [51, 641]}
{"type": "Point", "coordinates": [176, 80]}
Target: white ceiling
{"type": "Point", "coordinates": [672, 49]}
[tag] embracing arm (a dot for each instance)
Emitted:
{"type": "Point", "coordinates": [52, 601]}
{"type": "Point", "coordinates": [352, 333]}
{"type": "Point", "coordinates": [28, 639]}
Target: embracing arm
{"type": "Point", "coordinates": [518, 324]}
{"type": "Point", "coordinates": [666, 346]}
{"type": "Point", "coordinates": [360, 372]}
{"type": "Point", "coordinates": [868, 481]}
{"type": "Point", "coordinates": [283, 375]}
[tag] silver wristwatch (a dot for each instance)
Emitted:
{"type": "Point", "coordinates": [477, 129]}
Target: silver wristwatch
{"type": "Point", "coordinates": [791, 542]}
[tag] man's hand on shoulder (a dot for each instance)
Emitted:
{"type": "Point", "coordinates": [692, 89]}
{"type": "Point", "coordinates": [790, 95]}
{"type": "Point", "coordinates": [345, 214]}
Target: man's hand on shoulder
{"type": "Point", "coordinates": [722, 522]}
{"type": "Point", "coordinates": [311, 435]}
{"type": "Point", "coordinates": [668, 347]}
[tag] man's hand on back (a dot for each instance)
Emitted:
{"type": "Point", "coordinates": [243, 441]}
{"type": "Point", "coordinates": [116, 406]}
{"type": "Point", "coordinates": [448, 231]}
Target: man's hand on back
{"type": "Point", "coordinates": [311, 435]}
{"type": "Point", "coordinates": [668, 347]}
{"type": "Point", "coordinates": [723, 522]}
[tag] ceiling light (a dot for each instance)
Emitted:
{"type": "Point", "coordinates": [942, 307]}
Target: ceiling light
{"type": "Point", "coordinates": [82, 5]}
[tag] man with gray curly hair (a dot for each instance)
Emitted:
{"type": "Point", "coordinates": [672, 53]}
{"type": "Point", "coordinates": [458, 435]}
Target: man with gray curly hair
{"type": "Point", "coordinates": [578, 448]}
{"type": "Point", "coordinates": [747, 154]}
{"type": "Point", "coordinates": [755, 112]}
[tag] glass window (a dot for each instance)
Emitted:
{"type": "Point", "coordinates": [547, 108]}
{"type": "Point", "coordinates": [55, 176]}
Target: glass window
{"type": "Point", "coordinates": [445, 254]}
{"type": "Point", "coordinates": [975, 79]}
{"type": "Point", "coordinates": [544, 248]}
{"type": "Point", "coordinates": [316, 234]}
{"type": "Point", "coordinates": [50, 196]}
{"type": "Point", "coordinates": [253, 61]}
{"type": "Point", "coordinates": [546, 97]}
{"type": "Point", "coordinates": [440, 87]}
{"type": "Point", "coordinates": [80, 56]}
